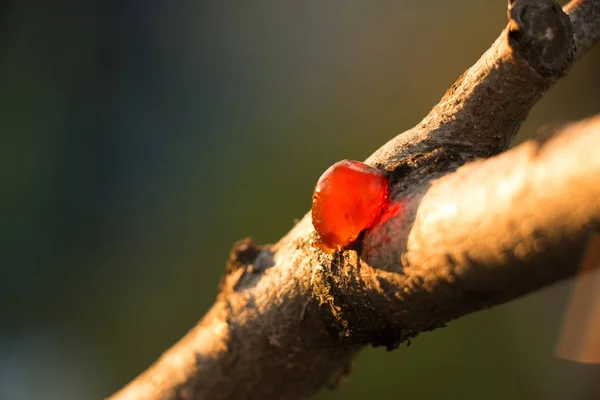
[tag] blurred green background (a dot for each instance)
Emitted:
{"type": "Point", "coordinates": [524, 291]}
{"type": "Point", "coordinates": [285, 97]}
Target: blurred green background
{"type": "Point", "coordinates": [140, 139]}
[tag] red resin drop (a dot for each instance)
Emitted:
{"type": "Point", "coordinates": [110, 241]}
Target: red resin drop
{"type": "Point", "coordinates": [348, 199]}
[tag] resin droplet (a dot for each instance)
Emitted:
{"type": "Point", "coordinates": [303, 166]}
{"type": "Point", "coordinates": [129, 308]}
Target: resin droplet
{"type": "Point", "coordinates": [348, 199]}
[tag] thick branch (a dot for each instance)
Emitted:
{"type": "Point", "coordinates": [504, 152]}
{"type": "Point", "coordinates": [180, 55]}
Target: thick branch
{"type": "Point", "coordinates": [487, 233]}
{"type": "Point", "coordinates": [455, 239]}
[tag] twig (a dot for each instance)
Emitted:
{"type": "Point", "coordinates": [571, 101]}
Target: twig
{"type": "Point", "coordinates": [585, 17]}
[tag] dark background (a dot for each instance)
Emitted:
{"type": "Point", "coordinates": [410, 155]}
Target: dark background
{"type": "Point", "coordinates": [140, 139]}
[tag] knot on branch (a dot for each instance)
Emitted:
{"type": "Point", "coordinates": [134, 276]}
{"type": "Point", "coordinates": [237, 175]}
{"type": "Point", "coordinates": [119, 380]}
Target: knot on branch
{"type": "Point", "coordinates": [542, 34]}
{"type": "Point", "coordinates": [246, 263]}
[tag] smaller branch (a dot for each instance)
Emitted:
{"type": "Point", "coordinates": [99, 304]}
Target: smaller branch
{"type": "Point", "coordinates": [482, 111]}
{"type": "Point", "coordinates": [585, 17]}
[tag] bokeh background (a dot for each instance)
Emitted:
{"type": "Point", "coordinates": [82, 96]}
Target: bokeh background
{"type": "Point", "coordinates": [140, 139]}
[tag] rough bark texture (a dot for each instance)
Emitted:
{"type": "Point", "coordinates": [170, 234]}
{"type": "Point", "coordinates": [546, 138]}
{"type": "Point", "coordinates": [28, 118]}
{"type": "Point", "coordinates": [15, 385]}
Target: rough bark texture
{"type": "Point", "coordinates": [456, 238]}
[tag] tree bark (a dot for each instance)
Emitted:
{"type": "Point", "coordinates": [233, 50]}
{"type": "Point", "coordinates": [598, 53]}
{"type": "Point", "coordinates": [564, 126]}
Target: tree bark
{"type": "Point", "coordinates": [463, 232]}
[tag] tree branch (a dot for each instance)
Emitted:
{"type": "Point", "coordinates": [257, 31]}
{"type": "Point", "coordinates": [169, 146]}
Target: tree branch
{"type": "Point", "coordinates": [585, 17]}
{"type": "Point", "coordinates": [454, 240]}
